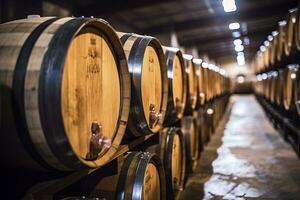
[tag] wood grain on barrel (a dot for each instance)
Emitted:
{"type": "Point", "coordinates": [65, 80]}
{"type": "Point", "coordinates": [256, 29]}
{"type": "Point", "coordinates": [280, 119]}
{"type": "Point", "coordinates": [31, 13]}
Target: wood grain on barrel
{"type": "Point", "coordinates": [176, 162]}
{"type": "Point", "coordinates": [279, 89]}
{"type": "Point", "coordinates": [177, 81]}
{"type": "Point", "coordinates": [272, 48]}
{"type": "Point", "coordinates": [31, 98]}
{"type": "Point", "coordinates": [297, 91]}
{"type": "Point", "coordinates": [75, 86]}
{"type": "Point", "coordinates": [266, 57]}
{"type": "Point", "coordinates": [281, 41]}
{"type": "Point", "coordinates": [90, 89]}
{"type": "Point", "coordinates": [287, 89]}
{"type": "Point", "coordinates": [192, 83]}
{"type": "Point", "coordinates": [290, 31]}
{"type": "Point", "coordinates": [201, 85]}
{"type": "Point", "coordinates": [297, 29]}
{"type": "Point", "coordinates": [151, 82]}
{"type": "Point", "coordinates": [193, 141]}
{"type": "Point", "coordinates": [151, 185]}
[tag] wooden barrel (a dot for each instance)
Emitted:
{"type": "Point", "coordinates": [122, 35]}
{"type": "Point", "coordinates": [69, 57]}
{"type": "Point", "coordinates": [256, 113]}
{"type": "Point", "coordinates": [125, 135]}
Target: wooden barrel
{"type": "Point", "coordinates": [203, 122]}
{"type": "Point", "coordinates": [192, 140]}
{"type": "Point", "coordinates": [269, 87]}
{"type": "Point", "coordinates": [297, 29]}
{"type": "Point", "coordinates": [58, 78]}
{"type": "Point", "coordinates": [149, 91]}
{"type": "Point", "coordinates": [272, 48]}
{"type": "Point", "coordinates": [290, 32]}
{"type": "Point", "coordinates": [200, 74]}
{"type": "Point", "coordinates": [220, 84]}
{"type": "Point", "coordinates": [279, 88]}
{"type": "Point", "coordinates": [177, 85]}
{"type": "Point", "coordinates": [191, 82]}
{"type": "Point", "coordinates": [267, 91]}
{"type": "Point", "coordinates": [209, 85]}
{"type": "Point", "coordinates": [289, 81]}
{"type": "Point", "coordinates": [259, 62]}
{"type": "Point", "coordinates": [172, 153]}
{"type": "Point", "coordinates": [272, 86]}
{"type": "Point", "coordinates": [199, 119]}
{"type": "Point", "coordinates": [281, 40]}
{"type": "Point", "coordinates": [266, 56]}
{"type": "Point", "coordinates": [142, 177]}
{"type": "Point", "coordinates": [297, 91]}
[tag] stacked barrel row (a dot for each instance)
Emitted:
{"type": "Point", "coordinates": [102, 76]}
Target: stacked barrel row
{"type": "Point", "coordinates": [277, 69]}
{"type": "Point", "coordinates": [73, 89]}
{"type": "Point", "coordinates": [277, 65]}
{"type": "Point", "coordinates": [282, 46]}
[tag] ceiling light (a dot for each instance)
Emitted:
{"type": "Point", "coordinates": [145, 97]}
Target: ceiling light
{"type": "Point", "coordinates": [205, 65]}
{"type": "Point", "coordinates": [262, 48]}
{"type": "Point", "coordinates": [259, 77]}
{"type": "Point", "coordinates": [240, 53]}
{"type": "Point", "coordinates": [246, 41]}
{"type": "Point", "coordinates": [264, 76]}
{"type": "Point", "coordinates": [266, 43]}
{"type": "Point", "coordinates": [274, 33]}
{"type": "Point", "coordinates": [236, 34]}
{"type": "Point", "coordinates": [239, 48]}
{"type": "Point", "coordinates": [188, 56]}
{"type": "Point", "coordinates": [282, 23]}
{"type": "Point", "coordinates": [229, 5]}
{"type": "Point", "coordinates": [237, 42]}
{"type": "Point", "coordinates": [222, 71]}
{"type": "Point", "coordinates": [211, 66]}
{"type": "Point", "coordinates": [197, 61]}
{"type": "Point", "coordinates": [241, 59]}
{"type": "Point", "coordinates": [240, 79]}
{"type": "Point", "coordinates": [270, 37]}
{"type": "Point", "coordinates": [234, 26]}
{"type": "Point", "coordinates": [241, 62]}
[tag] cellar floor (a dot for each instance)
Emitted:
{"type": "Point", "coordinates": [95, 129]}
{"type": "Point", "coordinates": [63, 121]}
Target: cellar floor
{"type": "Point", "coordinates": [245, 159]}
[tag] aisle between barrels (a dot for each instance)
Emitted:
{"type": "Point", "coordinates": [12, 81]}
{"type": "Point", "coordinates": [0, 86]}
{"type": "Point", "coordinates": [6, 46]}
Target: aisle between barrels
{"type": "Point", "coordinates": [246, 159]}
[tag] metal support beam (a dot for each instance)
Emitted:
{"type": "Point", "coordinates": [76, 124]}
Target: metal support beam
{"type": "Point", "coordinates": [102, 8]}
{"type": "Point", "coordinates": [226, 18]}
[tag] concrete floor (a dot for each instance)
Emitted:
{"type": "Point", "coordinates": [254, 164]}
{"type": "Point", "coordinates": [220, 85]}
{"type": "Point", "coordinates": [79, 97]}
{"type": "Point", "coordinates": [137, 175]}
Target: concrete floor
{"type": "Point", "coordinates": [245, 159]}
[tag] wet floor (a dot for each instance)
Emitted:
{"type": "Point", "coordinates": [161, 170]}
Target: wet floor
{"type": "Point", "coordinates": [245, 159]}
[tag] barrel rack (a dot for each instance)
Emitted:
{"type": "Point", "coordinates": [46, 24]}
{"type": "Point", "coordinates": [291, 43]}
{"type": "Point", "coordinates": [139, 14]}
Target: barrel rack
{"type": "Point", "coordinates": [66, 186]}
{"type": "Point", "coordinates": [287, 128]}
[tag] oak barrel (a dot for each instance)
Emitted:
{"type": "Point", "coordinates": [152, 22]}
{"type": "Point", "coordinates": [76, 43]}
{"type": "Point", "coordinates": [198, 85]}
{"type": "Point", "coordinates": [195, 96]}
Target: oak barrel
{"type": "Point", "coordinates": [290, 42]}
{"type": "Point", "coordinates": [289, 81]}
{"type": "Point", "coordinates": [273, 48]}
{"type": "Point", "coordinates": [191, 83]}
{"type": "Point", "coordinates": [202, 126]}
{"type": "Point", "coordinates": [200, 74]}
{"type": "Point", "coordinates": [172, 153]}
{"type": "Point", "coordinates": [192, 140]}
{"type": "Point", "coordinates": [296, 91]}
{"type": "Point", "coordinates": [279, 88]}
{"type": "Point", "coordinates": [209, 85]}
{"type": "Point", "coordinates": [272, 86]}
{"type": "Point", "coordinates": [142, 177]}
{"type": "Point", "coordinates": [266, 56]}
{"type": "Point", "coordinates": [149, 91]}
{"type": "Point", "coordinates": [58, 78]}
{"type": "Point", "coordinates": [281, 40]}
{"type": "Point", "coordinates": [297, 29]}
{"type": "Point", "coordinates": [177, 91]}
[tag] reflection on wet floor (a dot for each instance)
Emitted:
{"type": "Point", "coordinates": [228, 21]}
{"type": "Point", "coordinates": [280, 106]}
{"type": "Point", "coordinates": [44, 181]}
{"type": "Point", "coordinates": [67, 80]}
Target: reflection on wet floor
{"type": "Point", "coordinates": [246, 159]}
